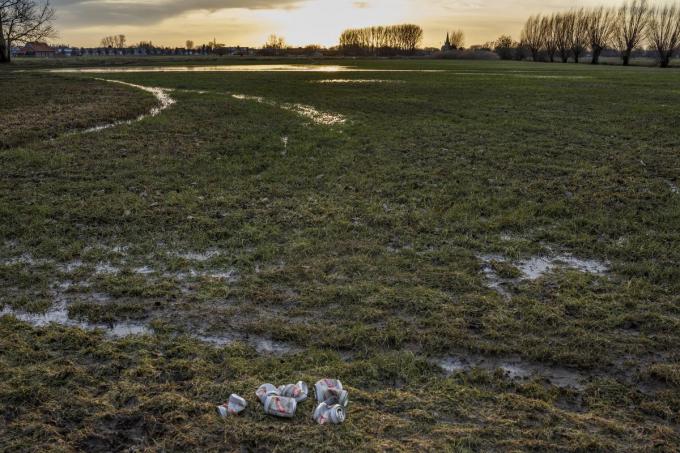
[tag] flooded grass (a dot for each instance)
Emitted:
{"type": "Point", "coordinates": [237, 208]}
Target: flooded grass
{"type": "Point", "coordinates": [161, 94]}
{"type": "Point", "coordinates": [231, 68]}
{"type": "Point", "coordinates": [357, 81]}
{"type": "Point", "coordinates": [488, 263]}
{"type": "Point", "coordinates": [306, 111]}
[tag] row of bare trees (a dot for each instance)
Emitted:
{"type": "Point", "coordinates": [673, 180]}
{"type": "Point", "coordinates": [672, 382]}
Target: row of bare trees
{"type": "Point", "coordinates": [573, 33]}
{"type": "Point", "coordinates": [23, 21]}
{"type": "Point", "coordinates": [403, 38]}
{"type": "Point", "coordinates": [114, 41]}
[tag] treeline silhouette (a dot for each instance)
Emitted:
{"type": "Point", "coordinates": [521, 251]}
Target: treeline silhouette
{"type": "Point", "coordinates": [570, 35]}
{"type": "Point", "coordinates": [381, 40]}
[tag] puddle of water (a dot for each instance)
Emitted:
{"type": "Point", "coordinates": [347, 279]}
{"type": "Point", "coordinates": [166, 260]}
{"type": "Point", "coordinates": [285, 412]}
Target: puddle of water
{"type": "Point", "coordinates": [70, 266]}
{"type": "Point", "coordinates": [515, 369]}
{"type": "Point", "coordinates": [245, 97]}
{"type": "Point", "coordinates": [229, 275]}
{"type": "Point", "coordinates": [106, 269]}
{"type": "Point", "coordinates": [495, 282]}
{"type": "Point", "coordinates": [261, 345]}
{"type": "Point", "coordinates": [534, 268]}
{"type": "Point", "coordinates": [357, 81]}
{"type": "Point", "coordinates": [307, 111]}
{"type": "Point", "coordinates": [318, 117]}
{"type": "Point", "coordinates": [144, 270]}
{"type": "Point", "coordinates": [58, 314]}
{"type": "Point", "coordinates": [198, 256]}
{"type": "Point", "coordinates": [26, 258]}
{"type": "Point", "coordinates": [233, 68]}
{"type": "Point", "coordinates": [674, 188]}
{"type": "Point", "coordinates": [161, 94]}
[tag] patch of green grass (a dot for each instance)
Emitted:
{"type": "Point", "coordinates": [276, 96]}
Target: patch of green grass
{"type": "Point", "coordinates": [40, 106]}
{"type": "Point", "coordinates": [360, 241]}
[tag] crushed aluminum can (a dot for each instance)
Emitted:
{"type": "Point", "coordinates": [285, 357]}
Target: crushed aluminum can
{"type": "Point", "coordinates": [265, 391]}
{"type": "Point", "coordinates": [330, 391]}
{"type": "Point", "coordinates": [325, 414]}
{"type": "Point", "coordinates": [298, 391]}
{"type": "Point", "coordinates": [235, 406]}
{"type": "Point", "coordinates": [280, 406]}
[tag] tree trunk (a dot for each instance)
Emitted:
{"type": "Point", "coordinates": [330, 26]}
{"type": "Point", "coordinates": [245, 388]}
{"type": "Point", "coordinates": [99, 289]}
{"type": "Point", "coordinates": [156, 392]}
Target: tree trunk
{"type": "Point", "coordinates": [5, 51]}
{"type": "Point", "coordinates": [534, 55]}
{"type": "Point", "coordinates": [596, 55]}
{"type": "Point", "coordinates": [576, 58]}
{"type": "Point", "coordinates": [626, 58]}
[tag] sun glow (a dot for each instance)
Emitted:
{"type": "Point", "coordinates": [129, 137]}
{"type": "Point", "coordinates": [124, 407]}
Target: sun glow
{"type": "Point", "coordinates": [322, 21]}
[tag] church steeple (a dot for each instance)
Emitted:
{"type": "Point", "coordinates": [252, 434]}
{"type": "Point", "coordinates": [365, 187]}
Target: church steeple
{"type": "Point", "coordinates": [447, 44]}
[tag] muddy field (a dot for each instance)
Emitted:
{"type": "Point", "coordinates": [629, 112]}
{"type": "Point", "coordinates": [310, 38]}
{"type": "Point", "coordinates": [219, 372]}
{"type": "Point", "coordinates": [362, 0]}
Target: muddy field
{"type": "Point", "coordinates": [486, 254]}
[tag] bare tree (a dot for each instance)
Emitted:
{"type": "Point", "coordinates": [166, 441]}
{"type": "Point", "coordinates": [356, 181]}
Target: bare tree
{"type": "Point", "coordinates": [631, 27]}
{"type": "Point", "coordinates": [664, 32]}
{"type": "Point", "coordinates": [564, 28]}
{"type": "Point", "coordinates": [22, 21]}
{"type": "Point", "coordinates": [533, 37]}
{"type": "Point", "coordinates": [374, 40]}
{"type": "Point", "coordinates": [189, 44]}
{"type": "Point", "coordinates": [504, 47]}
{"type": "Point", "coordinates": [600, 30]}
{"type": "Point", "coordinates": [114, 41]}
{"type": "Point", "coordinates": [579, 34]}
{"type": "Point", "coordinates": [549, 37]}
{"type": "Point", "coordinates": [275, 42]}
{"type": "Point", "coordinates": [457, 38]}
{"type": "Point", "coordinates": [412, 37]}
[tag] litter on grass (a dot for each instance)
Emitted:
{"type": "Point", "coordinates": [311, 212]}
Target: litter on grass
{"type": "Point", "coordinates": [330, 391]}
{"type": "Point", "coordinates": [282, 401]}
{"type": "Point", "coordinates": [325, 414]}
{"type": "Point", "coordinates": [234, 406]}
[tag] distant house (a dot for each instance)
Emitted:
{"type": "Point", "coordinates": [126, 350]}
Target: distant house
{"type": "Point", "coordinates": [36, 49]}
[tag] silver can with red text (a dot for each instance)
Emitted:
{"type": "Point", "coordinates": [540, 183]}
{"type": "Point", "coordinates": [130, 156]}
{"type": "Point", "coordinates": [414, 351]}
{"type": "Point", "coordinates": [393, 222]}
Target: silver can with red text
{"type": "Point", "coordinates": [331, 392]}
{"type": "Point", "coordinates": [280, 406]}
{"type": "Point", "coordinates": [325, 414]}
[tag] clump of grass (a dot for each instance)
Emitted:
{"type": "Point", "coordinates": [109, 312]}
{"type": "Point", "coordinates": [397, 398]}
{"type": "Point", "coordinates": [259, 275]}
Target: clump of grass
{"type": "Point", "coordinates": [505, 269]}
{"type": "Point", "coordinates": [666, 372]}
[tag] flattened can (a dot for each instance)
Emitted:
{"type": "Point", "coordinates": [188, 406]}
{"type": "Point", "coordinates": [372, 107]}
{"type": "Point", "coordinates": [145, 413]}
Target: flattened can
{"type": "Point", "coordinates": [266, 390]}
{"type": "Point", "coordinates": [298, 391]}
{"type": "Point", "coordinates": [235, 406]}
{"type": "Point", "coordinates": [280, 406]}
{"type": "Point", "coordinates": [330, 391]}
{"type": "Point", "coordinates": [325, 414]}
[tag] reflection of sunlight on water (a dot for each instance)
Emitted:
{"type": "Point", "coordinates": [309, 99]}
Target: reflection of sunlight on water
{"type": "Point", "coordinates": [235, 68]}
{"type": "Point", "coordinates": [307, 111]}
{"type": "Point", "coordinates": [360, 81]}
{"type": "Point", "coordinates": [224, 68]}
{"type": "Point", "coordinates": [161, 95]}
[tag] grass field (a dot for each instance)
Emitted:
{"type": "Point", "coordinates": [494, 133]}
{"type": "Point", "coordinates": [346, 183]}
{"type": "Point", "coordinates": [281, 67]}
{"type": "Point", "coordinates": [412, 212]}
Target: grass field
{"type": "Point", "coordinates": [486, 254]}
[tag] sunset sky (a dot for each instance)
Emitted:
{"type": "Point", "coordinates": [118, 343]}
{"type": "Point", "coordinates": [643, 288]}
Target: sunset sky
{"type": "Point", "coordinates": [249, 22]}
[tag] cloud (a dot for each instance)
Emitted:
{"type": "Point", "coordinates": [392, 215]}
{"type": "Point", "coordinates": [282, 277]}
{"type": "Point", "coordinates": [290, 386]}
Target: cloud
{"type": "Point", "coordinates": [89, 13]}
